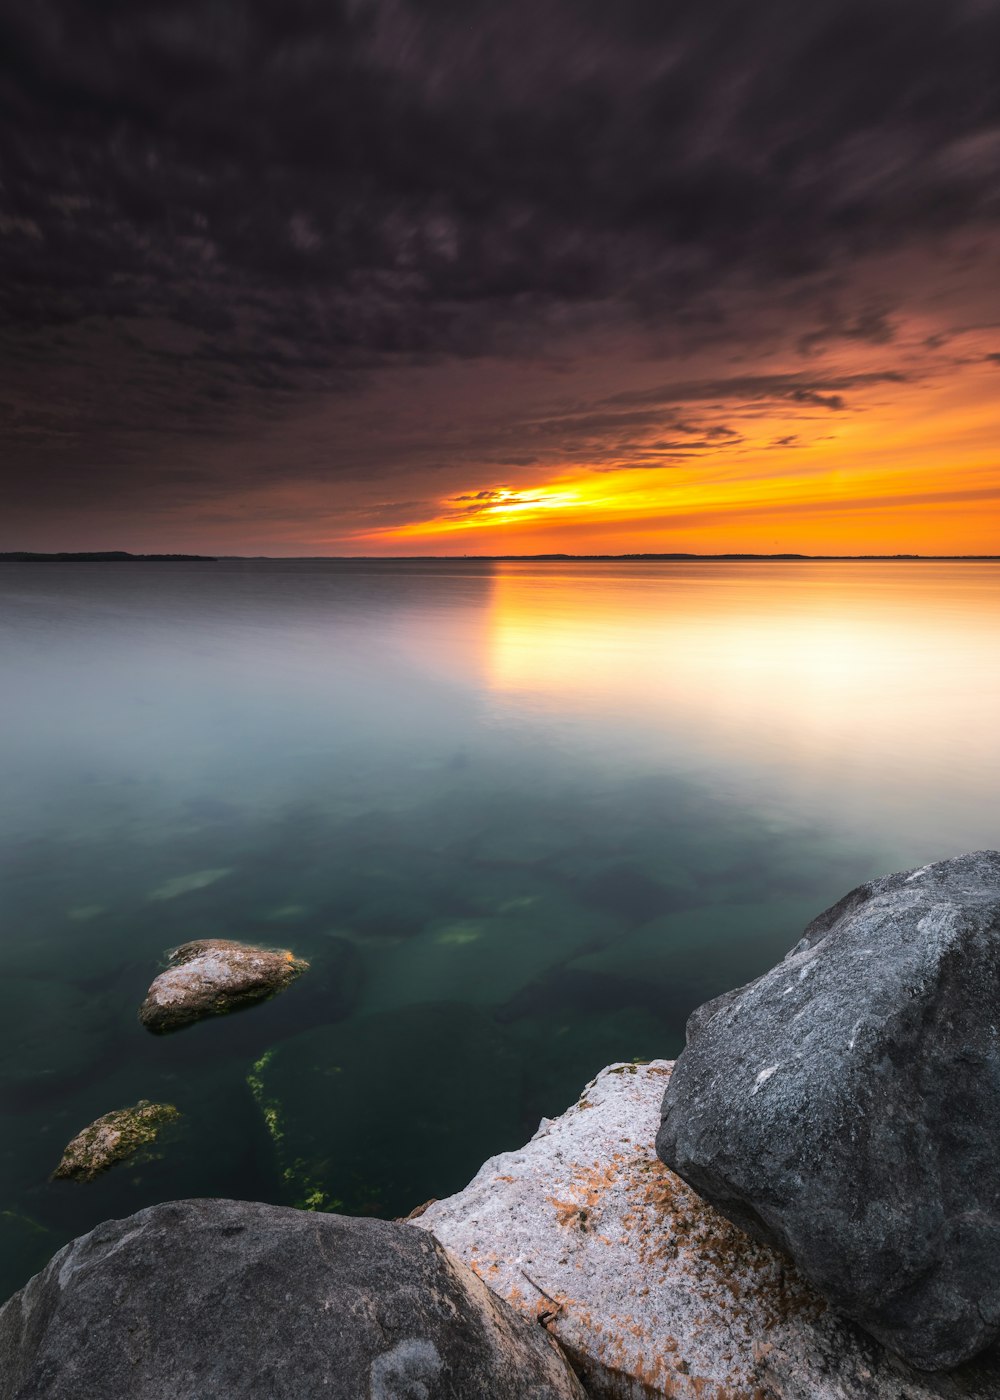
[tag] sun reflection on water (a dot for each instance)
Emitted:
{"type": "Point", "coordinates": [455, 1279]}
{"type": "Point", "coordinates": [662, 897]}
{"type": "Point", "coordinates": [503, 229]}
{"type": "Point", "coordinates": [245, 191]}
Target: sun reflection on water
{"type": "Point", "coordinates": [834, 676]}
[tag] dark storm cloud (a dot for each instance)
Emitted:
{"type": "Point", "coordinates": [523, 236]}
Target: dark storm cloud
{"type": "Point", "coordinates": [209, 210]}
{"type": "Point", "coordinates": [872, 326]}
{"type": "Point", "coordinates": [825, 391]}
{"type": "Point", "coordinates": [664, 425]}
{"type": "Point", "coordinates": [607, 441]}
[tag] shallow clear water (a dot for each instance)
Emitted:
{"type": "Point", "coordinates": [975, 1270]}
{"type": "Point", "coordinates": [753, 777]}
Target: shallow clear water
{"type": "Point", "coordinates": [521, 818]}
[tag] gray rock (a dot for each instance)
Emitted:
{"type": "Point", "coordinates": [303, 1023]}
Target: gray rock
{"type": "Point", "coordinates": [846, 1108]}
{"type": "Point", "coordinates": [237, 1300]}
{"type": "Point", "coordinates": [648, 1289]}
{"type": "Point", "coordinates": [211, 976]}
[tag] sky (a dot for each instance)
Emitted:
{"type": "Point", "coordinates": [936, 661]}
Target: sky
{"type": "Point", "coordinates": [408, 277]}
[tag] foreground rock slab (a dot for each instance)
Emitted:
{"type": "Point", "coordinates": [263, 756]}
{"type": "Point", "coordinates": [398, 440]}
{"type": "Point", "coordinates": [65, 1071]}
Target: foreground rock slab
{"type": "Point", "coordinates": [112, 1138]}
{"type": "Point", "coordinates": [241, 1301]}
{"type": "Point", "coordinates": [649, 1290]}
{"type": "Point", "coordinates": [846, 1107]}
{"type": "Point", "coordinates": [212, 976]}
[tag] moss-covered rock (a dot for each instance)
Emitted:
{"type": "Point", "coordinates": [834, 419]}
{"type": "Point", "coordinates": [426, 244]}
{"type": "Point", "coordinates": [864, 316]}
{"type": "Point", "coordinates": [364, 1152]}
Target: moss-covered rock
{"type": "Point", "coordinates": [113, 1137]}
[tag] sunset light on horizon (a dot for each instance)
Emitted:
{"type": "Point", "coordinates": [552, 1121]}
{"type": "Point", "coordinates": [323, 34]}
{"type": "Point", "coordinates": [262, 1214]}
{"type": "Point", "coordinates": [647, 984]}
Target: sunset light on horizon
{"type": "Point", "coordinates": [887, 461]}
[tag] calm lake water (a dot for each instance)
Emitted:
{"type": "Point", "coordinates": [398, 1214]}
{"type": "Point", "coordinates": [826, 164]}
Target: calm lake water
{"type": "Point", "coordinates": [520, 817]}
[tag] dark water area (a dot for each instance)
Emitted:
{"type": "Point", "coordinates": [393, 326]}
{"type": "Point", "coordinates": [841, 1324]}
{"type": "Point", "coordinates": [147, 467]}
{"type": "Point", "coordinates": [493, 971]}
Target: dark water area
{"type": "Point", "coordinates": [520, 817]}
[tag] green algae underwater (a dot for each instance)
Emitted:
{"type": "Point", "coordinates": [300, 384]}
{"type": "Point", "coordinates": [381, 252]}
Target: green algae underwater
{"type": "Point", "coordinates": [520, 818]}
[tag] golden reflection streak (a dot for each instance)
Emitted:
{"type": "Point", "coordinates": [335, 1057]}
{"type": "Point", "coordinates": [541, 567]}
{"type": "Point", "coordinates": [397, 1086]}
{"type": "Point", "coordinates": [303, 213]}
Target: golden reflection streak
{"type": "Point", "coordinates": [846, 666]}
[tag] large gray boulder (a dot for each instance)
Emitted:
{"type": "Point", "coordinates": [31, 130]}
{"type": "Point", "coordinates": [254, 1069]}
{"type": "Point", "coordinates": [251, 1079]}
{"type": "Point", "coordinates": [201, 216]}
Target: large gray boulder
{"type": "Point", "coordinates": [846, 1108]}
{"type": "Point", "coordinates": [241, 1301]}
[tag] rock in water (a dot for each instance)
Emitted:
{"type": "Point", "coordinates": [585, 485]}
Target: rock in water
{"type": "Point", "coordinates": [212, 976]}
{"type": "Point", "coordinates": [846, 1107]}
{"type": "Point", "coordinates": [113, 1137]}
{"type": "Point", "coordinates": [237, 1300]}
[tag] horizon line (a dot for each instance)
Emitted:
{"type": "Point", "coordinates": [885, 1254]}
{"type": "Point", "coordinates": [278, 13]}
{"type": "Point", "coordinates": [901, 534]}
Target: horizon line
{"type": "Point", "coordinates": [665, 556]}
{"type": "Point", "coordinates": [125, 556]}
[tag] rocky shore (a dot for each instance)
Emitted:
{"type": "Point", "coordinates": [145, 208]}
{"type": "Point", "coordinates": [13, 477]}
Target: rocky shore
{"type": "Point", "coordinates": [650, 1290]}
{"type": "Point", "coordinates": [583, 1237]}
{"type": "Point", "coordinates": [816, 1218]}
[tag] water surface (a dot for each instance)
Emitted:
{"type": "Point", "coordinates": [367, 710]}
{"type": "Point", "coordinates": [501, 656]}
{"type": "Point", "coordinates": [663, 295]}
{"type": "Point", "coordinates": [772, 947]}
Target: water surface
{"type": "Point", "coordinates": [521, 818]}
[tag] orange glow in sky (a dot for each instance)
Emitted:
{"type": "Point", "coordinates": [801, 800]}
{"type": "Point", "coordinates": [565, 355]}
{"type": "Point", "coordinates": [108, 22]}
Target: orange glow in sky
{"type": "Point", "coordinates": [908, 463]}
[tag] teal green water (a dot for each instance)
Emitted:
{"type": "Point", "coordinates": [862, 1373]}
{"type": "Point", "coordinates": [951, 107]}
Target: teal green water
{"type": "Point", "coordinates": [521, 818]}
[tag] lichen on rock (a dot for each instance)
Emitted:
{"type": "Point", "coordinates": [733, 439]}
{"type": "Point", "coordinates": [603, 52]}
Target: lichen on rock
{"type": "Point", "coordinates": [113, 1137]}
{"type": "Point", "coordinates": [212, 976]}
{"type": "Point", "coordinates": [649, 1290]}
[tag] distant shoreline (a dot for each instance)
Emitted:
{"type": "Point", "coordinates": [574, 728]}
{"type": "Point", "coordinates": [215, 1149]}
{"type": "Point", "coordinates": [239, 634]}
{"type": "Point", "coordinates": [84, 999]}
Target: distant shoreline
{"type": "Point", "coordinates": [104, 556]}
{"type": "Point", "coordinates": [118, 556]}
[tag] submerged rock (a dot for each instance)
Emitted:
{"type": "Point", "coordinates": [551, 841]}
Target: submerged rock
{"type": "Point", "coordinates": [48, 1030]}
{"type": "Point", "coordinates": [185, 884]}
{"type": "Point", "coordinates": [113, 1137]}
{"type": "Point", "coordinates": [234, 1299]}
{"type": "Point", "coordinates": [330, 1098]}
{"type": "Point", "coordinates": [488, 957]}
{"type": "Point", "coordinates": [25, 1247]}
{"type": "Point", "coordinates": [649, 1290]}
{"type": "Point", "coordinates": [211, 976]}
{"type": "Point", "coordinates": [846, 1107]}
